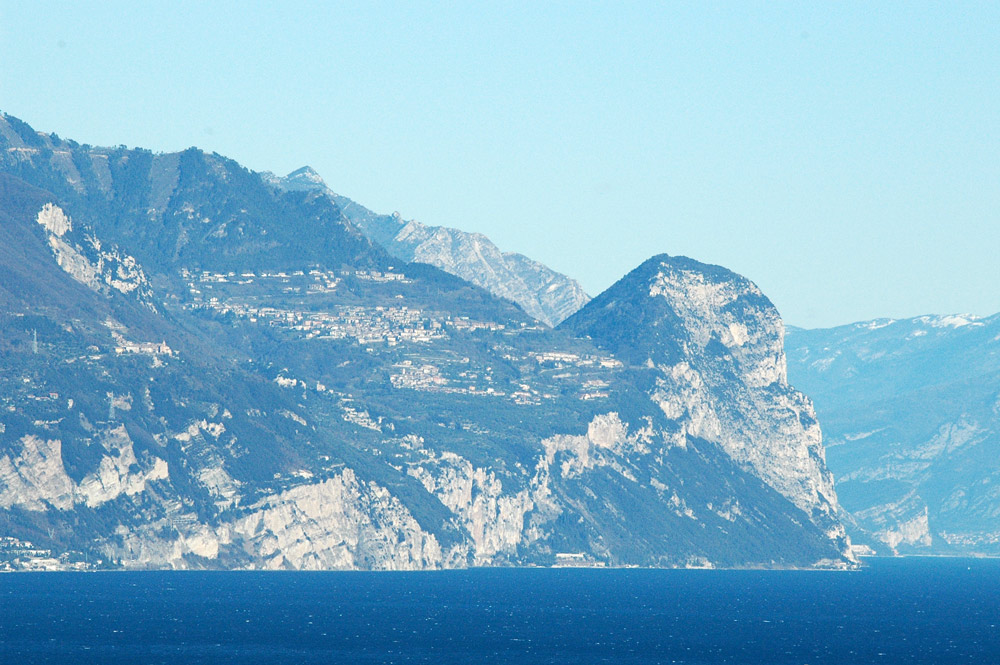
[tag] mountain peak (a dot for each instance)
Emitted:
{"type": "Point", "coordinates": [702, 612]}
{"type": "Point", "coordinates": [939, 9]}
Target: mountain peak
{"type": "Point", "coordinates": [656, 265]}
{"type": "Point", "coordinates": [305, 171]}
{"type": "Point", "coordinates": [697, 326]}
{"type": "Point", "coordinates": [304, 179]}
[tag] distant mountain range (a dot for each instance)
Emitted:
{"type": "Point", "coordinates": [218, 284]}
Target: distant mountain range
{"type": "Point", "coordinates": [541, 292]}
{"type": "Point", "coordinates": [206, 367]}
{"type": "Point", "coordinates": [911, 414]}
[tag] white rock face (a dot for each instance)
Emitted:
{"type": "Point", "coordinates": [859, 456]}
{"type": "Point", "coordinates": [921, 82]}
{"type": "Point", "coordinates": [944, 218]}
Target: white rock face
{"type": "Point", "coordinates": [37, 480]}
{"type": "Point", "coordinates": [54, 220]}
{"type": "Point", "coordinates": [220, 484]}
{"type": "Point", "coordinates": [501, 521]}
{"type": "Point", "coordinates": [88, 262]}
{"type": "Point", "coordinates": [913, 532]}
{"type": "Point", "coordinates": [144, 548]}
{"type": "Point", "coordinates": [338, 524]}
{"type": "Point", "coordinates": [605, 433]}
{"type": "Point", "coordinates": [196, 428]}
{"type": "Point", "coordinates": [75, 263]}
{"type": "Point", "coordinates": [495, 521]}
{"type": "Point", "coordinates": [753, 337]}
{"type": "Point", "coordinates": [118, 474]}
{"type": "Point", "coordinates": [729, 329]}
{"type": "Point", "coordinates": [903, 522]}
{"type": "Point", "coordinates": [680, 394]}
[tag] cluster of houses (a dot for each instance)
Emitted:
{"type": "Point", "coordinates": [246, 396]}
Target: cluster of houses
{"type": "Point", "coordinates": [564, 359]}
{"type": "Point", "coordinates": [387, 326]}
{"type": "Point", "coordinates": [22, 555]}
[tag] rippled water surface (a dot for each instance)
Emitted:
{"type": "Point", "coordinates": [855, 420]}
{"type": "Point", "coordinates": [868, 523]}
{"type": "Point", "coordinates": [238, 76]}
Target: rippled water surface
{"type": "Point", "coordinates": [895, 611]}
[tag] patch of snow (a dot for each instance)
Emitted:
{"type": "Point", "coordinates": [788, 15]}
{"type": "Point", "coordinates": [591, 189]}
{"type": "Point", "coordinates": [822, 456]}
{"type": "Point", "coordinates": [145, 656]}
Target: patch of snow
{"type": "Point", "coordinates": [862, 435]}
{"type": "Point", "coordinates": [876, 324]}
{"type": "Point", "coordinates": [951, 321]}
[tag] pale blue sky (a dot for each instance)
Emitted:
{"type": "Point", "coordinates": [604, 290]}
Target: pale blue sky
{"type": "Point", "coordinates": [845, 156]}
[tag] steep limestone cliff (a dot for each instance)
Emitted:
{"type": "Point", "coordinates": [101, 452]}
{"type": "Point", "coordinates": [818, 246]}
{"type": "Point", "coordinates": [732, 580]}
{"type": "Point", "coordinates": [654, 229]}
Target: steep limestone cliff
{"type": "Point", "coordinates": [695, 328]}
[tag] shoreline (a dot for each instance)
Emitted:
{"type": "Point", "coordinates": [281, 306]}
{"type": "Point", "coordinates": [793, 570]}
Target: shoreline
{"type": "Point", "coordinates": [805, 569]}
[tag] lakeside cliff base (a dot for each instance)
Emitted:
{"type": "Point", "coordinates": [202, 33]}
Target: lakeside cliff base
{"type": "Point", "coordinates": [23, 556]}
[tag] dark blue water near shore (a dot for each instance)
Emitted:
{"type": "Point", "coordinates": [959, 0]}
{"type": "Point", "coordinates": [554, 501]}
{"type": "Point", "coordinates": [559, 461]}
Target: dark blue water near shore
{"type": "Point", "coordinates": [895, 611]}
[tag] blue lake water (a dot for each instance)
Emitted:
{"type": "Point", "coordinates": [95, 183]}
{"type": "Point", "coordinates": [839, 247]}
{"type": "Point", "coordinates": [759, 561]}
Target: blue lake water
{"type": "Point", "coordinates": [915, 610]}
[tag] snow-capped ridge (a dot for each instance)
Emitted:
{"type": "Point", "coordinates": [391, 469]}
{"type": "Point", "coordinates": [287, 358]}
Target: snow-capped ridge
{"type": "Point", "coordinates": [951, 320]}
